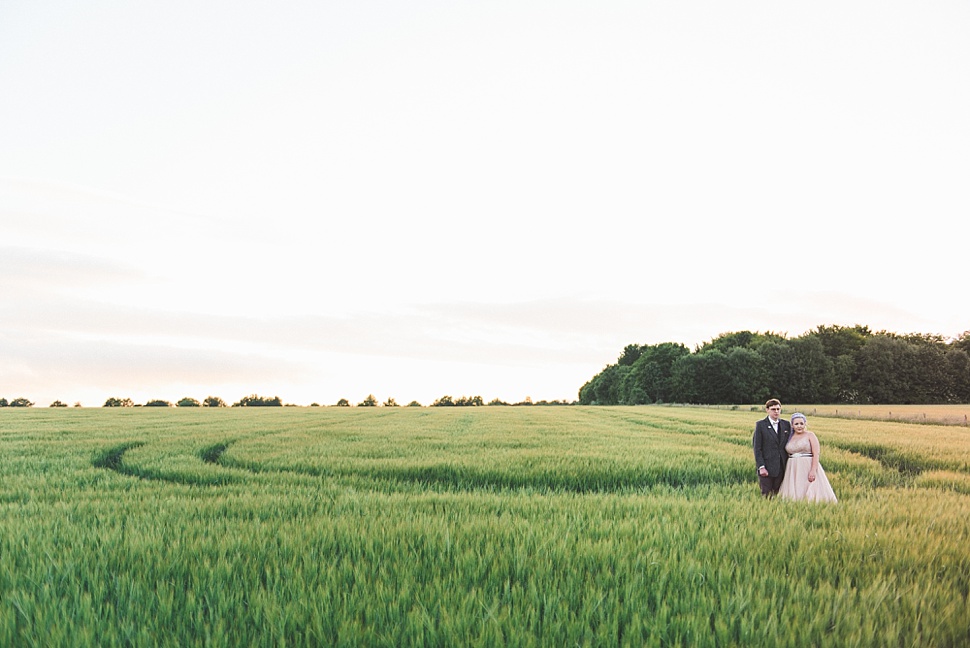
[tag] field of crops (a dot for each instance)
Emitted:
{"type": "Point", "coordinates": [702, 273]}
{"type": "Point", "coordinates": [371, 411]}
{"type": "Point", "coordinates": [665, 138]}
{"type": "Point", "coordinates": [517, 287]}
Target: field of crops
{"type": "Point", "coordinates": [525, 526]}
{"type": "Point", "coordinates": [943, 414]}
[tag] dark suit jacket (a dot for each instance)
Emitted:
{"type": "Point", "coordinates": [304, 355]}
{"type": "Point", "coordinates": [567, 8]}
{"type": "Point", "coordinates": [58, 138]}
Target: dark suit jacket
{"type": "Point", "coordinates": [769, 448]}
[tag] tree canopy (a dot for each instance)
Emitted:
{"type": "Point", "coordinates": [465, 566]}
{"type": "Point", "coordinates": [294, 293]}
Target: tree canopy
{"type": "Point", "coordinates": [829, 364]}
{"type": "Point", "coordinates": [259, 401]}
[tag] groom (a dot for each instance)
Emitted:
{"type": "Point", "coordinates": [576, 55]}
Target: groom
{"type": "Point", "coordinates": [770, 436]}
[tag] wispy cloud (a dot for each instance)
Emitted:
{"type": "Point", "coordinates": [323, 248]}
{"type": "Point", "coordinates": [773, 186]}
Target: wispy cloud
{"type": "Point", "coordinates": [40, 271]}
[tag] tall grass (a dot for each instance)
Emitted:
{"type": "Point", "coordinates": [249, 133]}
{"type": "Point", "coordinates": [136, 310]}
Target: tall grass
{"type": "Point", "coordinates": [472, 526]}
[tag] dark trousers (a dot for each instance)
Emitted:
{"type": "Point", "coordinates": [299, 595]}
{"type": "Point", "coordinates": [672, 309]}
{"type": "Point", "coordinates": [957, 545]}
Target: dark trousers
{"type": "Point", "coordinates": [770, 485]}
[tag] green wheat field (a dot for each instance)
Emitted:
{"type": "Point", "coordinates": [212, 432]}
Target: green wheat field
{"type": "Point", "coordinates": [487, 526]}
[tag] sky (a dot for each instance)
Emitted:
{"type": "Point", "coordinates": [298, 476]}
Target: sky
{"type": "Point", "coordinates": [324, 200]}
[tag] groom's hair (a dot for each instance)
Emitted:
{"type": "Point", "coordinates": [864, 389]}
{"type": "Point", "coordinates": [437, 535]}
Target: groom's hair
{"type": "Point", "coordinates": [772, 402]}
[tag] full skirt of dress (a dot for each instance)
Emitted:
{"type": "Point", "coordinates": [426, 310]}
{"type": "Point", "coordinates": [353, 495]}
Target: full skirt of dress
{"type": "Point", "coordinates": [795, 485]}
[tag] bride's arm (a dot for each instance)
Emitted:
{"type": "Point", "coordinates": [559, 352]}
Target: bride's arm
{"type": "Point", "coordinates": [815, 459]}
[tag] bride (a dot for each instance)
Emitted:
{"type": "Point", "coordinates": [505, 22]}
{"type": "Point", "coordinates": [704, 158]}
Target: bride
{"type": "Point", "coordinates": [804, 477]}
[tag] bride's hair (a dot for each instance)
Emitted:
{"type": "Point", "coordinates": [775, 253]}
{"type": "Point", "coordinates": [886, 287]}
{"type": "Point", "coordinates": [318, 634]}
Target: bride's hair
{"type": "Point", "coordinates": [798, 415]}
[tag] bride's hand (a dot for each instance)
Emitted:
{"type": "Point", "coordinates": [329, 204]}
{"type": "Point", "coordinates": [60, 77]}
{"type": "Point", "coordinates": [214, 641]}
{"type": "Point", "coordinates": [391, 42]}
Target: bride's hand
{"type": "Point", "coordinates": [811, 476]}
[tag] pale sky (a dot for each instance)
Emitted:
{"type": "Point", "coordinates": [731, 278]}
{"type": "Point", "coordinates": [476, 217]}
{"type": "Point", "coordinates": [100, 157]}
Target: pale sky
{"type": "Point", "coordinates": [324, 200]}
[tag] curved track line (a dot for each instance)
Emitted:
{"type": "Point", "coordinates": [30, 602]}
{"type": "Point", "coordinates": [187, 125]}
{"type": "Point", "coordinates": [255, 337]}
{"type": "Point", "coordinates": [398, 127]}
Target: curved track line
{"type": "Point", "coordinates": [113, 459]}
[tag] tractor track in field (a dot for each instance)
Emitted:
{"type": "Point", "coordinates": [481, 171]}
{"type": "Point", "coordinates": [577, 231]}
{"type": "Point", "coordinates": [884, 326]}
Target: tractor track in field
{"type": "Point", "coordinates": [445, 477]}
{"type": "Point", "coordinates": [113, 459]}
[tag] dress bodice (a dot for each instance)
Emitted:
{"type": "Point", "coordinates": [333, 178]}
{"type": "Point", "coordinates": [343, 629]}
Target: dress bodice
{"type": "Point", "coordinates": [799, 443]}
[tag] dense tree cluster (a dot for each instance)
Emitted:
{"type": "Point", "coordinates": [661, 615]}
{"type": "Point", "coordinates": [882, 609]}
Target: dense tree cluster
{"type": "Point", "coordinates": [259, 401]}
{"type": "Point", "coordinates": [461, 401]}
{"type": "Point", "coordinates": [119, 402]}
{"type": "Point", "coordinates": [478, 401]}
{"type": "Point", "coordinates": [830, 364]}
{"type": "Point", "coordinates": [210, 401]}
{"type": "Point", "coordinates": [17, 402]}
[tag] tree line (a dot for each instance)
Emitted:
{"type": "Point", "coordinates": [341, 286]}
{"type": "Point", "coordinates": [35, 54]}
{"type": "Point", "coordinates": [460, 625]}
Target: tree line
{"type": "Point", "coordinates": [829, 364]}
{"type": "Point", "coordinates": [254, 400]}
{"type": "Point", "coordinates": [210, 401]}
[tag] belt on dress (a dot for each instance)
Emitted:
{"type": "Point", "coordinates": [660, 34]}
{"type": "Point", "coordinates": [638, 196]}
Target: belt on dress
{"type": "Point", "coordinates": [800, 454]}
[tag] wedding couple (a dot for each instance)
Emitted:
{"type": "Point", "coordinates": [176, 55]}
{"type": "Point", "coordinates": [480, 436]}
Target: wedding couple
{"type": "Point", "coordinates": [787, 456]}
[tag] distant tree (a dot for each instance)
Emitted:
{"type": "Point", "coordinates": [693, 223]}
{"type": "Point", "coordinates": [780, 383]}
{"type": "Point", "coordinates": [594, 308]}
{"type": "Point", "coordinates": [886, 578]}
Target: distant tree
{"type": "Point", "coordinates": [415, 403]}
{"type": "Point", "coordinates": [605, 387]}
{"type": "Point", "coordinates": [842, 340]}
{"type": "Point", "coordinates": [58, 403]}
{"type": "Point", "coordinates": [963, 342]}
{"type": "Point", "coordinates": [780, 370]}
{"type": "Point", "coordinates": [77, 404]}
{"type": "Point", "coordinates": [652, 372]}
{"type": "Point", "coordinates": [343, 402]}
{"type": "Point", "coordinates": [880, 378]}
{"type": "Point", "coordinates": [119, 402]}
{"type": "Point", "coordinates": [259, 401]}
{"type": "Point", "coordinates": [370, 401]}
{"type": "Point", "coordinates": [747, 376]}
{"type": "Point", "coordinates": [813, 379]}
{"type": "Point", "coordinates": [158, 403]}
{"type": "Point", "coordinates": [924, 372]}
{"type": "Point", "coordinates": [703, 377]}
{"type": "Point", "coordinates": [213, 401]}
{"type": "Point", "coordinates": [497, 402]}
{"type": "Point", "coordinates": [21, 402]}
{"type": "Point", "coordinates": [461, 401]}
{"type": "Point", "coordinates": [188, 402]}
{"type": "Point", "coordinates": [958, 369]}
{"type": "Point", "coordinates": [4, 403]}
{"type": "Point", "coordinates": [904, 369]}
{"type": "Point", "coordinates": [632, 391]}
{"type": "Point", "coordinates": [743, 339]}
{"type": "Point", "coordinates": [390, 402]}
{"type": "Point", "coordinates": [631, 353]}
{"type": "Point", "coordinates": [314, 404]}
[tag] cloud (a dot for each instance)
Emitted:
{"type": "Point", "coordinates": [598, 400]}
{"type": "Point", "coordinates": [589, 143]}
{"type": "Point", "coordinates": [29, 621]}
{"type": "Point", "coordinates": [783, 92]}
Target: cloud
{"type": "Point", "coordinates": [547, 348]}
{"type": "Point", "coordinates": [55, 366]}
{"type": "Point", "coordinates": [52, 272]}
{"type": "Point", "coordinates": [61, 213]}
